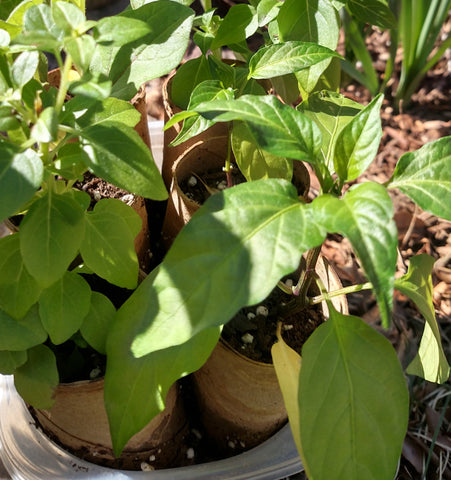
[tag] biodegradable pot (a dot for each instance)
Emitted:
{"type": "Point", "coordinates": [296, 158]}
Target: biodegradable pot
{"type": "Point", "coordinates": [201, 157]}
{"type": "Point", "coordinates": [78, 422]}
{"type": "Point", "coordinates": [240, 402]}
{"type": "Point", "coordinates": [171, 154]}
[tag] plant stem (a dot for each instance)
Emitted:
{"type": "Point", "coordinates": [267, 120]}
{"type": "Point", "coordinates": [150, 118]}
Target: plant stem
{"type": "Point", "coordinates": [64, 83]}
{"type": "Point", "coordinates": [227, 164]}
{"type": "Point", "coordinates": [341, 291]}
{"type": "Point", "coordinates": [303, 285]}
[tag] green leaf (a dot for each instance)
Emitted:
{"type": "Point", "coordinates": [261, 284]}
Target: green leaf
{"type": "Point", "coordinates": [71, 161]}
{"type": "Point", "coordinates": [284, 58]}
{"type": "Point", "coordinates": [331, 112]}
{"type": "Point", "coordinates": [97, 323]}
{"type": "Point", "coordinates": [430, 361]}
{"type": "Point", "coordinates": [37, 379]}
{"type": "Point", "coordinates": [108, 245]}
{"type": "Point", "coordinates": [251, 235]}
{"type": "Point", "coordinates": [116, 153]}
{"type": "Point", "coordinates": [276, 127]}
{"type": "Point", "coordinates": [81, 50]}
{"type": "Point", "coordinates": [358, 142]}
{"type": "Point", "coordinates": [208, 90]}
{"type": "Point", "coordinates": [425, 177]}
{"type": "Point", "coordinates": [287, 364]}
{"type": "Point", "coordinates": [267, 11]}
{"type": "Point", "coordinates": [148, 57]}
{"type": "Point", "coordinates": [46, 128]}
{"type": "Point", "coordinates": [119, 30]}
{"type": "Point", "coordinates": [148, 378]}
{"type": "Point", "coordinates": [254, 162]}
{"type": "Point", "coordinates": [24, 68]}
{"type": "Point", "coordinates": [365, 216]}
{"type": "Point", "coordinates": [316, 22]}
{"type": "Point", "coordinates": [64, 305]}
{"type": "Point", "coordinates": [374, 12]}
{"type": "Point", "coordinates": [353, 417]}
{"type": "Point", "coordinates": [20, 176]}
{"type": "Point", "coordinates": [239, 24]}
{"type": "Point", "coordinates": [50, 236]}
{"type": "Point", "coordinates": [66, 16]}
{"type": "Point", "coordinates": [21, 334]}
{"type": "Point", "coordinates": [187, 77]}
{"type": "Point", "coordinates": [9, 361]}
{"type": "Point", "coordinates": [18, 289]}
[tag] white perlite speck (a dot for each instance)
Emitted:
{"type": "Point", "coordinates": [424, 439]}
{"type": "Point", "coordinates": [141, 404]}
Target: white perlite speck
{"type": "Point", "coordinates": [190, 453]}
{"type": "Point", "coordinates": [192, 181]}
{"type": "Point", "coordinates": [262, 310]}
{"type": "Point", "coordinates": [145, 467]}
{"type": "Point", "coordinates": [247, 338]}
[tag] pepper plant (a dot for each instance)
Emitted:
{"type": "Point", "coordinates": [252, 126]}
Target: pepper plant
{"type": "Point", "coordinates": [347, 400]}
{"type": "Point", "coordinates": [50, 136]}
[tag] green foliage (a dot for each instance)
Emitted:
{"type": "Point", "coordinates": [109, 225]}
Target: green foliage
{"type": "Point", "coordinates": [350, 384]}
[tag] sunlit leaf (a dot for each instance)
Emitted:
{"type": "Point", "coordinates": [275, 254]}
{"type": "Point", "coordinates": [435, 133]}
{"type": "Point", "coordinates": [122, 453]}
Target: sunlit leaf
{"type": "Point", "coordinates": [251, 235]}
{"type": "Point", "coordinates": [425, 176]}
{"type": "Point", "coordinates": [430, 361]}
{"type": "Point", "coordinates": [365, 216]}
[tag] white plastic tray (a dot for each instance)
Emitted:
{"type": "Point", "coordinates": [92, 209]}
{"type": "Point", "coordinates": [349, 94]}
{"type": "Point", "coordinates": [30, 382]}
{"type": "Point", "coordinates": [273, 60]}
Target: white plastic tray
{"type": "Point", "coordinates": [29, 455]}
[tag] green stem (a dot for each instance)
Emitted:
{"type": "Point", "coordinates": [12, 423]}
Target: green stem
{"type": "Point", "coordinates": [341, 291]}
{"type": "Point", "coordinates": [227, 164]}
{"type": "Point", "coordinates": [64, 83]}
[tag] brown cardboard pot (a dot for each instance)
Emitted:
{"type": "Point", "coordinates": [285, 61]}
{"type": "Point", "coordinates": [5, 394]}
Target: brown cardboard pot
{"type": "Point", "coordinates": [239, 399]}
{"type": "Point", "coordinates": [78, 422]}
{"type": "Point", "coordinates": [170, 154]}
{"type": "Point", "coordinates": [201, 157]}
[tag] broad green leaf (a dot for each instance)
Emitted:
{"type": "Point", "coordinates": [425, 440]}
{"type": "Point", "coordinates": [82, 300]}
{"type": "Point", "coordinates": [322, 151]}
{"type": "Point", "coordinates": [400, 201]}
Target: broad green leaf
{"type": "Point", "coordinates": [50, 236]}
{"type": "Point", "coordinates": [9, 361]}
{"type": "Point", "coordinates": [66, 16]}
{"type": "Point", "coordinates": [64, 305]}
{"type": "Point", "coordinates": [251, 235]}
{"type": "Point", "coordinates": [331, 112]}
{"type": "Point", "coordinates": [267, 11]}
{"type": "Point", "coordinates": [285, 58]}
{"type": "Point", "coordinates": [40, 30]}
{"type": "Point", "coordinates": [108, 245]}
{"type": "Point", "coordinates": [353, 416]}
{"type": "Point", "coordinates": [287, 364]}
{"type": "Point", "coordinates": [116, 153]}
{"type": "Point", "coordinates": [18, 289]}
{"type": "Point", "coordinates": [148, 378]}
{"type": "Point", "coordinates": [71, 161]}
{"type": "Point", "coordinates": [187, 77]}
{"type": "Point", "coordinates": [254, 162]}
{"type": "Point", "coordinates": [365, 216]}
{"type": "Point", "coordinates": [119, 30]}
{"type": "Point", "coordinates": [6, 7]}
{"type": "Point", "coordinates": [108, 110]}
{"type": "Point", "coordinates": [286, 87]}
{"type": "Point", "coordinates": [430, 361]}
{"type": "Point", "coordinates": [239, 24]}
{"type": "Point", "coordinates": [97, 323]}
{"type": "Point", "coordinates": [276, 127]}
{"type": "Point", "coordinates": [206, 91]}
{"type": "Point", "coordinates": [15, 17]}
{"type": "Point", "coordinates": [148, 57]}
{"type": "Point", "coordinates": [374, 12]}
{"type": "Point", "coordinates": [316, 22]}
{"type": "Point", "coordinates": [46, 128]}
{"type": "Point", "coordinates": [425, 177]}
{"type": "Point", "coordinates": [81, 49]}
{"type": "Point", "coordinates": [21, 334]}
{"type": "Point", "coordinates": [20, 176]}
{"type": "Point", "coordinates": [24, 68]}
{"type": "Point", "coordinates": [358, 142]}
{"type": "Point", "coordinates": [38, 377]}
